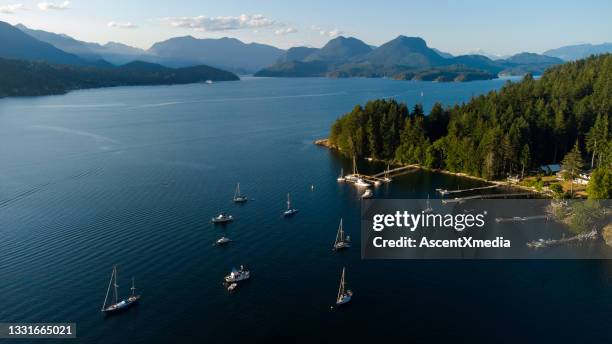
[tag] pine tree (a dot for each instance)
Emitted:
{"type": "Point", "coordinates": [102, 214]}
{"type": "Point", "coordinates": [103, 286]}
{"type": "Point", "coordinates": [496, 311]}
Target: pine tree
{"type": "Point", "coordinates": [572, 164]}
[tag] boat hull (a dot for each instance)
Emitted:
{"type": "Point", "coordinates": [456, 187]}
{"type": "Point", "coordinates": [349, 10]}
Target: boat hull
{"type": "Point", "coordinates": [122, 305]}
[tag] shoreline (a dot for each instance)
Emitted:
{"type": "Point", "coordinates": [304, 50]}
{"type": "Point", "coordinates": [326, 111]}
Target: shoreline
{"type": "Point", "coordinates": [325, 143]}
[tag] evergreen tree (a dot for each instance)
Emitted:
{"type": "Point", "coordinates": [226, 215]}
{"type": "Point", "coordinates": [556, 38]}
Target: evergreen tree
{"type": "Point", "coordinates": [572, 165]}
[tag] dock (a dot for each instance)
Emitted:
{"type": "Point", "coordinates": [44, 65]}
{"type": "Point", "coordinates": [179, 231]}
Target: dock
{"type": "Point", "coordinates": [521, 218]}
{"type": "Point", "coordinates": [462, 199]}
{"type": "Point", "coordinates": [388, 173]}
{"type": "Point", "coordinates": [592, 235]}
{"type": "Point", "coordinates": [445, 192]}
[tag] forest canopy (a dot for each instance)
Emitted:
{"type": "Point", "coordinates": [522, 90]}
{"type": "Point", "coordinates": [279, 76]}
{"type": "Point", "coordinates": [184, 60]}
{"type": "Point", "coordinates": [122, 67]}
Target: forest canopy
{"type": "Point", "coordinates": [523, 125]}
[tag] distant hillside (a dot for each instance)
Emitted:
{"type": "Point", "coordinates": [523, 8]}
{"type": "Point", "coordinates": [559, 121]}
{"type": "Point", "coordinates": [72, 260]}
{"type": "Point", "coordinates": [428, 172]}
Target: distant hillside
{"type": "Point", "coordinates": [112, 52]}
{"type": "Point", "coordinates": [340, 49]}
{"type": "Point", "coordinates": [405, 51]}
{"type": "Point", "coordinates": [27, 78]}
{"type": "Point", "coordinates": [406, 58]}
{"type": "Point", "coordinates": [15, 44]}
{"type": "Point", "coordinates": [227, 53]}
{"type": "Point", "coordinates": [579, 51]}
{"type": "Point", "coordinates": [296, 54]}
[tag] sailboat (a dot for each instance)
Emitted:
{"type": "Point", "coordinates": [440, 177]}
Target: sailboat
{"type": "Point", "coordinates": [341, 176]}
{"type": "Point", "coordinates": [238, 198]}
{"type": "Point", "coordinates": [386, 178]}
{"type": "Point", "coordinates": [344, 295]}
{"type": "Point", "coordinates": [341, 241]}
{"type": "Point", "coordinates": [290, 211]}
{"type": "Point", "coordinates": [118, 306]}
{"type": "Point", "coordinates": [428, 209]}
{"type": "Point", "coordinates": [356, 179]}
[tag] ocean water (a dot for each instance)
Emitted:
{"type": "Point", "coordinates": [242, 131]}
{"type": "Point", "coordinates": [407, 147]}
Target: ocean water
{"type": "Point", "coordinates": [132, 176]}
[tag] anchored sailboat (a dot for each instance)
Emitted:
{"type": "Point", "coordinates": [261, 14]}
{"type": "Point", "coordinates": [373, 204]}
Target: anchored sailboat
{"type": "Point", "coordinates": [238, 198]}
{"type": "Point", "coordinates": [341, 241]}
{"type": "Point", "coordinates": [344, 295]}
{"type": "Point", "coordinates": [428, 209]}
{"type": "Point", "coordinates": [118, 305]}
{"type": "Point", "coordinates": [290, 211]}
{"type": "Point", "coordinates": [341, 176]}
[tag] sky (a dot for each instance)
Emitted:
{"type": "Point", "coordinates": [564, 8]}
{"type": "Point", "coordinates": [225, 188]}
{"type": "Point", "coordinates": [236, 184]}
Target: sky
{"type": "Point", "coordinates": [495, 26]}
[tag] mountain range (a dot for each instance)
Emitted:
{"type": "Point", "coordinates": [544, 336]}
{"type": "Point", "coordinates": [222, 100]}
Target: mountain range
{"type": "Point", "coordinates": [579, 51]}
{"type": "Point", "coordinates": [226, 53]}
{"type": "Point", "coordinates": [401, 58]}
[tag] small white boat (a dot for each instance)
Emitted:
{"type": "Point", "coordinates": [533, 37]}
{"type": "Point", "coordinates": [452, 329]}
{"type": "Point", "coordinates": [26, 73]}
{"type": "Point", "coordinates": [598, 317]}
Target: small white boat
{"type": "Point", "coordinates": [222, 218]}
{"type": "Point", "coordinates": [341, 241]}
{"type": "Point", "coordinates": [377, 183]}
{"type": "Point", "coordinates": [209, 82]}
{"type": "Point", "coordinates": [222, 241]}
{"type": "Point", "coordinates": [341, 178]}
{"type": "Point", "coordinates": [344, 295]}
{"type": "Point", "coordinates": [367, 194]}
{"type": "Point", "coordinates": [428, 209]}
{"type": "Point", "coordinates": [238, 198]}
{"type": "Point", "coordinates": [238, 275]}
{"type": "Point", "coordinates": [362, 183]}
{"type": "Point", "coordinates": [290, 211]}
{"type": "Point", "coordinates": [232, 286]}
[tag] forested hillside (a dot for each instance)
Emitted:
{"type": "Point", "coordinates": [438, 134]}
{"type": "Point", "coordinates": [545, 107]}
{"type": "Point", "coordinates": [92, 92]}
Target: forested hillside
{"type": "Point", "coordinates": [523, 125]}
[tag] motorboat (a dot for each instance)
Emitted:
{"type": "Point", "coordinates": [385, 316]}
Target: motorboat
{"type": "Point", "coordinates": [367, 194]}
{"type": "Point", "coordinates": [222, 241]}
{"type": "Point", "coordinates": [222, 218]}
{"type": "Point", "coordinates": [238, 275]}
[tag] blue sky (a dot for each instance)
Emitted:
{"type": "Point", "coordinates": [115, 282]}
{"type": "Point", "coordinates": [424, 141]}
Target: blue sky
{"type": "Point", "coordinates": [499, 27]}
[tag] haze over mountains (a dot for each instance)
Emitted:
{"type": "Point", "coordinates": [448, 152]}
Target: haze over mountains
{"type": "Point", "coordinates": [401, 58]}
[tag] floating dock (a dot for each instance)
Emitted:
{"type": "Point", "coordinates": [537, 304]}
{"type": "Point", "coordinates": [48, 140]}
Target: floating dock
{"type": "Point", "coordinates": [445, 192]}
{"type": "Point", "coordinates": [592, 235]}
{"type": "Point", "coordinates": [462, 199]}
{"type": "Point", "coordinates": [521, 218]}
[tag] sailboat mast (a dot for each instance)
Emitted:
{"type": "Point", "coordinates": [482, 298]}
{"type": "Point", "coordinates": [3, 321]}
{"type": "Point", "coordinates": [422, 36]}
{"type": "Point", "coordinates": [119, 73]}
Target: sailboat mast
{"type": "Point", "coordinates": [110, 281]}
{"type": "Point", "coordinates": [341, 289]}
{"type": "Point", "coordinates": [133, 288]}
{"type": "Point", "coordinates": [354, 165]}
{"type": "Point", "coordinates": [288, 201]}
{"type": "Point", "coordinates": [237, 190]}
{"type": "Point", "coordinates": [341, 231]}
{"type": "Point", "coordinates": [116, 286]}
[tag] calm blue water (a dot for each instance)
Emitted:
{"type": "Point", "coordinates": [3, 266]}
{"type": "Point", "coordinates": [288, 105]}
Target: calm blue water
{"type": "Point", "coordinates": [132, 176]}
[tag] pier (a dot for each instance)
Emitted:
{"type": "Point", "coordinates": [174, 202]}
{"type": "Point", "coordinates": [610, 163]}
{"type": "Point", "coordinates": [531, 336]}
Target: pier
{"type": "Point", "coordinates": [395, 172]}
{"type": "Point", "coordinates": [462, 199]}
{"type": "Point", "coordinates": [592, 235]}
{"type": "Point", "coordinates": [521, 218]}
{"type": "Point", "coordinates": [445, 192]}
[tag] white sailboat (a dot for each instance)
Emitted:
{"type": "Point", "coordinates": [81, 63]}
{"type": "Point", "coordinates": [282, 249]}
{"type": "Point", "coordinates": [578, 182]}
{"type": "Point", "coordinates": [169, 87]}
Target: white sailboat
{"type": "Point", "coordinates": [238, 198]}
{"type": "Point", "coordinates": [386, 178]}
{"type": "Point", "coordinates": [341, 241]}
{"type": "Point", "coordinates": [118, 305]}
{"type": "Point", "coordinates": [290, 211]}
{"type": "Point", "coordinates": [341, 176]}
{"type": "Point", "coordinates": [344, 295]}
{"type": "Point", "coordinates": [428, 209]}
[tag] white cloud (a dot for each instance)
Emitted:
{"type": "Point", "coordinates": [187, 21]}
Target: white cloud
{"type": "Point", "coordinates": [204, 23]}
{"type": "Point", "coordinates": [286, 31]}
{"type": "Point", "coordinates": [126, 25]}
{"type": "Point", "coordinates": [46, 6]}
{"type": "Point", "coordinates": [331, 33]}
{"type": "Point", "coordinates": [11, 9]}
{"type": "Point", "coordinates": [324, 32]}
